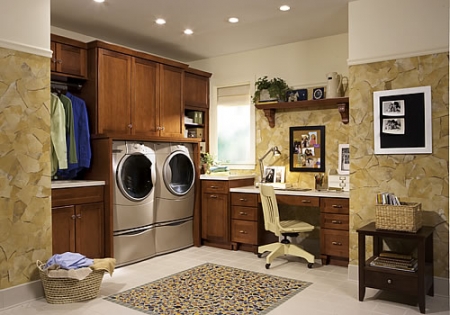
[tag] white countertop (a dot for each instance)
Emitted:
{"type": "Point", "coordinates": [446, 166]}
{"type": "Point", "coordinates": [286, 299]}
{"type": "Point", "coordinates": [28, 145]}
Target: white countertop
{"type": "Point", "coordinates": [312, 192]}
{"type": "Point", "coordinates": [213, 176]}
{"type": "Point", "coordinates": [76, 183]}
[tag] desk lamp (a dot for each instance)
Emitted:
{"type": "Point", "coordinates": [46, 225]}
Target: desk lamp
{"type": "Point", "coordinates": [275, 152]}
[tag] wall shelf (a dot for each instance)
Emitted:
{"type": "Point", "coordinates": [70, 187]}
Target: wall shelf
{"type": "Point", "coordinates": [340, 102]}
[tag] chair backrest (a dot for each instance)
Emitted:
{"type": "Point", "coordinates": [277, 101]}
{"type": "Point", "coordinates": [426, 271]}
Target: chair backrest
{"type": "Point", "coordinates": [270, 209]}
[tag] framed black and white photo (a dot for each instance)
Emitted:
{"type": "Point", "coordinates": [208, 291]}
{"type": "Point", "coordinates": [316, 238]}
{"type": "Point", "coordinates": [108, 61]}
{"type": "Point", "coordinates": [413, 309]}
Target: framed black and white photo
{"type": "Point", "coordinates": [402, 121]}
{"type": "Point", "coordinates": [274, 174]}
{"type": "Point", "coordinates": [344, 159]}
{"type": "Point", "coordinates": [307, 149]}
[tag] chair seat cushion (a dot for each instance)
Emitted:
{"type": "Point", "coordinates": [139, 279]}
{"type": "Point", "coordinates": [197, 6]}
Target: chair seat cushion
{"type": "Point", "coordinates": [295, 226]}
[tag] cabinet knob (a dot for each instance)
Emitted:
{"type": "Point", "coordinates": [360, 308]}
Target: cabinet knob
{"type": "Point", "coordinates": [336, 243]}
{"type": "Point", "coordinates": [213, 187]}
{"type": "Point", "coordinates": [213, 196]}
{"type": "Point", "coordinates": [243, 213]}
{"type": "Point", "coordinates": [336, 221]}
{"type": "Point", "coordinates": [337, 206]}
{"type": "Point", "coordinates": [243, 232]}
{"type": "Point", "coordinates": [306, 201]}
{"type": "Point", "coordinates": [59, 61]}
{"type": "Point", "coordinates": [243, 199]}
{"type": "Point", "coordinates": [73, 217]}
{"type": "Point", "coordinates": [78, 216]}
{"type": "Point", "coordinates": [389, 281]}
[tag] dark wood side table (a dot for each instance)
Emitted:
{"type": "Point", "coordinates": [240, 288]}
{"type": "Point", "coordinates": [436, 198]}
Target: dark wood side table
{"type": "Point", "coordinates": [418, 283]}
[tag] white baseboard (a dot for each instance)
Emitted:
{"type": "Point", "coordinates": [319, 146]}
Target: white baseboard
{"type": "Point", "coordinates": [441, 285]}
{"type": "Point", "coordinates": [20, 294]}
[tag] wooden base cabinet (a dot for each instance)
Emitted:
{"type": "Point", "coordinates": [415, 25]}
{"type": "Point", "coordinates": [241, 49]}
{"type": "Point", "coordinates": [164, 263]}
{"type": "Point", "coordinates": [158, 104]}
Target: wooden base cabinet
{"type": "Point", "coordinates": [334, 227]}
{"type": "Point", "coordinates": [77, 221]}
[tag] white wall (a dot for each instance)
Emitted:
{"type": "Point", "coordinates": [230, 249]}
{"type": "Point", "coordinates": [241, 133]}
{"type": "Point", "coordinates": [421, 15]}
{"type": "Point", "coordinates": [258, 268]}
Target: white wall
{"type": "Point", "coordinates": [385, 29]}
{"type": "Point", "coordinates": [25, 26]}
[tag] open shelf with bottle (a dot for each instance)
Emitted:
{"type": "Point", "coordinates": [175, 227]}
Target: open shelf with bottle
{"type": "Point", "coordinates": [341, 103]}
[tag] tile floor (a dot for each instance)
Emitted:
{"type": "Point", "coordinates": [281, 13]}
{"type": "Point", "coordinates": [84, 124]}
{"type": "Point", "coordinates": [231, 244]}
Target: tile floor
{"type": "Point", "coordinates": [330, 292]}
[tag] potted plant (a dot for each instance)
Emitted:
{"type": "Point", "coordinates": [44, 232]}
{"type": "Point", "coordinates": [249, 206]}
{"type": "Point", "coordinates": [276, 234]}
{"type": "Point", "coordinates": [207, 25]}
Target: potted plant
{"type": "Point", "coordinates": [270, 90]}
{"type": "Point", "coordinates": [206, 160]}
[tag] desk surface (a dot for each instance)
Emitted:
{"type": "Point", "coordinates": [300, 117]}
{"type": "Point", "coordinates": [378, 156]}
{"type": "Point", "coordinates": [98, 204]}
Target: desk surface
{"type": "Point", "coordinates": [310, 193]}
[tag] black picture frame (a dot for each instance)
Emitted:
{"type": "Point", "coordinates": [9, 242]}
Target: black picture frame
{"type": "Point", "coordinates": [307, 149]}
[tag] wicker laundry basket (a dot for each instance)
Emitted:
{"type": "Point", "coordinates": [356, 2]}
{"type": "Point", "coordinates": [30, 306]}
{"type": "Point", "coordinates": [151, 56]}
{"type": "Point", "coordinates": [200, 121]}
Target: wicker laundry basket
{"type": "Point", "coordinates": [66, 290]}
{"type": "Point", "coordinates": [406, 217]}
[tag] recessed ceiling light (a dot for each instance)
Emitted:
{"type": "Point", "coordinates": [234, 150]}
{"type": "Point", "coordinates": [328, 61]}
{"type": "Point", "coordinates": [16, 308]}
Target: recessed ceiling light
{"type": "Point", "coordinates": [233, 20]}
{"type": "Point", "coordinates": [188, 31]}
{"type": "Point", "coordinates": [160, 21]}
{"type": "Point", "coordinates": [99, 1]}
{"type": "Point", "coordinates": [285, 8]}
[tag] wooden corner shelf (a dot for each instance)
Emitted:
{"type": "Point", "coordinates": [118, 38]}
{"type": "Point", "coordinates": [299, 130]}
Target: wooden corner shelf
{"type": "Point", "coordinates": [341, 103]}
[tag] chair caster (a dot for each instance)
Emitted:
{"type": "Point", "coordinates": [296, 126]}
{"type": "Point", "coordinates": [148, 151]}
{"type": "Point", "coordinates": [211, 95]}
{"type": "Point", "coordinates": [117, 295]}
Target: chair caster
{"type": "Point", "coordinates": [267, 266]}
{"type": "Point", "coordinates": [259, 255]}
{"type": "Point", "coordinates": [310, 265]}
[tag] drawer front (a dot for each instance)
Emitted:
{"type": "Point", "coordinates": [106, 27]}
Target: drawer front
{"type": "Point", "coordinates": [215, 186]}
{"type": "Point", "coordinates": [303, 201]}
{"type": "Point", "coordinates": [247, 200]}
{"type": "Point", "coordinates": [334, 243]}
{"type": "Point", "coordinates": [334, 205]}
{"type": "Point", "coordinates": [334, 221]}
{"type": "Point", "coordinates": [389, 281]}
{"type": "Point", "coordinates": [244, 232]}
{"type": "Point", "coordinates": [244, 213]}
{"type": "Point", "coordinates": [76, 195]}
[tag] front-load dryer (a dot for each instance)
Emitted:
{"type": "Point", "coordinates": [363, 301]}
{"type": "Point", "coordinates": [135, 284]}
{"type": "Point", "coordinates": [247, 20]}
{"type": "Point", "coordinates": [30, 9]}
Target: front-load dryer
{"type": "Point", "coordinates": [174, 190]}
{"type": "Point", "coordinates": [134, 172]}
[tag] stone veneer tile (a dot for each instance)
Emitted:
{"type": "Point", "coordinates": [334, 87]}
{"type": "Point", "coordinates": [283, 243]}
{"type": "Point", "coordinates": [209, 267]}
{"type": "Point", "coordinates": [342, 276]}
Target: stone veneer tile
{"type": "Point", "coordinates": [25, 186]}
{"type": "Point", "coordinates": [414, 178]}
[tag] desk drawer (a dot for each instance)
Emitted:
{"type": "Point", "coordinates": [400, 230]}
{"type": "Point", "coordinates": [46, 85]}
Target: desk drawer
{"type": "Point", "coordinates": [334, 221]}
{"type": "Point", "coordinates": [304, 201]}
{"type": "Point", "coordinates": [215, 186]}
{"type": "Point", "coordinates": [244, 232]}
{"type": "Point", "coordinates": [248, 200]}
{"type": "Point", "coordinates": [244, 213]}
{"type": "Point", "coordinates": [334, 243]}
{"type": "Point", "coordinates": [334, 205]}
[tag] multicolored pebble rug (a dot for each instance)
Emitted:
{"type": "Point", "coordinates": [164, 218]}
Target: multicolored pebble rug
{"type": "Point", "coordinates": [211, 289]}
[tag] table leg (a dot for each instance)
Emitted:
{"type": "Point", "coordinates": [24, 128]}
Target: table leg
{"type": "Point", "coordinates": [361, 265]}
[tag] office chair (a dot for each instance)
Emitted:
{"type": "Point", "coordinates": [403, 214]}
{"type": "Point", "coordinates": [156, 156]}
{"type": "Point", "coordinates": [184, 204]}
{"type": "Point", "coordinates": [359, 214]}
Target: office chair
{"type": "Point", "coordinates": [287, 228]}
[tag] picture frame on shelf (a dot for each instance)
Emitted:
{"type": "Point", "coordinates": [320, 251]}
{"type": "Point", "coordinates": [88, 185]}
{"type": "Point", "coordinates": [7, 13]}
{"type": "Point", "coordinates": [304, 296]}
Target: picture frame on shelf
{"type": "Point", "coordinates": [403, 121]}
{"type": "Point", "coordinates": [344, 159]}
{"type": "Point", "coordinates": [307, 149]}
{"type": "Point", "coordinates": [274, 174]}
{"type": "Point", "coordinates": [297, 95]}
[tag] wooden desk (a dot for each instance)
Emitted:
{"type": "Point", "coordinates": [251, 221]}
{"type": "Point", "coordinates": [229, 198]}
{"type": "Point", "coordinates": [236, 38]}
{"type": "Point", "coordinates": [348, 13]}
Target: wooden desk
{"type": "Point", "coordinates": [247, 222]}
{"type": "Point", "coordinates": [418, 283]}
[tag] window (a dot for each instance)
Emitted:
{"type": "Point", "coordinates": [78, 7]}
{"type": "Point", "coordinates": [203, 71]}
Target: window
{"type": "Point", "coordinates": [235, 127]}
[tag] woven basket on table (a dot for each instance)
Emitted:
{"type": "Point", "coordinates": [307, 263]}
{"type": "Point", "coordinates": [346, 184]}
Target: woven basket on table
{"type": "Point", "coordinates": [406, 217]}
{"type": "Point", "coordinates": [66, 290]}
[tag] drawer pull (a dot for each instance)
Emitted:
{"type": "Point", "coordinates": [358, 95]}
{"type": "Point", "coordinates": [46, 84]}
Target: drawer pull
{"type": "Point", "coordinates": [213, 196]}
{"type": "Point", "coordinates": [213, 187]}
{"type": "Point", "coordinates": [336, 221]}
{"type": "Point", "coordinates": [389, 281]}
{"type": "Point", "coordinates": [243, 199]}
{"type": "Point", "coordinates": [243, 232]}
{"type": "Point", "coordinates": [243, 213]}
{"type": "Point", "coordinates": [337, 206]}
{"type": "Point", "coordinates": [306, 201]}
{"type": "Point", "coordinates": [336, 243]}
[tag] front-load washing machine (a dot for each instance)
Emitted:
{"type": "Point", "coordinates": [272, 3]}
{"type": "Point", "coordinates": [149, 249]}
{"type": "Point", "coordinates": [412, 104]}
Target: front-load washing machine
{"type": "Point", "coordinates": [174, 196]}
{"type": "Point", "coordinates": [134, 173]}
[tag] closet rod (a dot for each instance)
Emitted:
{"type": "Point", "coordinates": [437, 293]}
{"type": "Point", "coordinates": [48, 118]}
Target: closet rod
{"type": "Point", "coordinates": [66, 84]}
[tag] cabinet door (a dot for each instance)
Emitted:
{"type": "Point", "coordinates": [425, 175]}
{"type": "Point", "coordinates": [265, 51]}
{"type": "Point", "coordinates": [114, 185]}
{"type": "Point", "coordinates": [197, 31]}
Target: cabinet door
{"type": "Point", "coordinates": [71, 60]}
{"type": "Point", "coordinates": [63, 229]}
{"type": "Point", "coordinates": [215, 217]}
{"type": "Point", "coordinates": [171, 101]}
{"type": "Point", "coordinates": [196, 90]}
{"type": "Point", "coordinates": [114, 92]}
{"type": "Point", "coordinates": [145, 109]}
{"type": "Point", "coordinates": [89, 229]}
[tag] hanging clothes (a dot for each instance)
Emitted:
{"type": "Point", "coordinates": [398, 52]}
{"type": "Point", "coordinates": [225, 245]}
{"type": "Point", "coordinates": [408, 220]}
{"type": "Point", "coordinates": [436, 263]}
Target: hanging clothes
{"type": "Point", "coordinates": [70, 130]}
{"type": "Point", "coordinates": [82, 139]}
{"type": "Point", "coordinates": [57, 134]}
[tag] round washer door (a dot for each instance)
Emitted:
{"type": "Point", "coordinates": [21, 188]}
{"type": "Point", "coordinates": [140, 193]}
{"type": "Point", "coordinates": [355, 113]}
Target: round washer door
{"type": "Point", "coordinates": [134, 176]}
{"type": "Point", "coordinates": [179, 173]}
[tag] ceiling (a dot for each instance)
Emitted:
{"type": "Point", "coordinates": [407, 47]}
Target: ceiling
{"type": "Point", "coordinates": [131, 23]}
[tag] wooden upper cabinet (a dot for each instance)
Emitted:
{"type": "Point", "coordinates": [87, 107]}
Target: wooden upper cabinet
{"type": "Point", "coordinates": [171, 101]}
{"type": "Point", "coordinates": [196, 88]}
{"type": "Point", "coordinates": [69, 57]}
{"type": "Point", "coordinates": [114, 92]}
